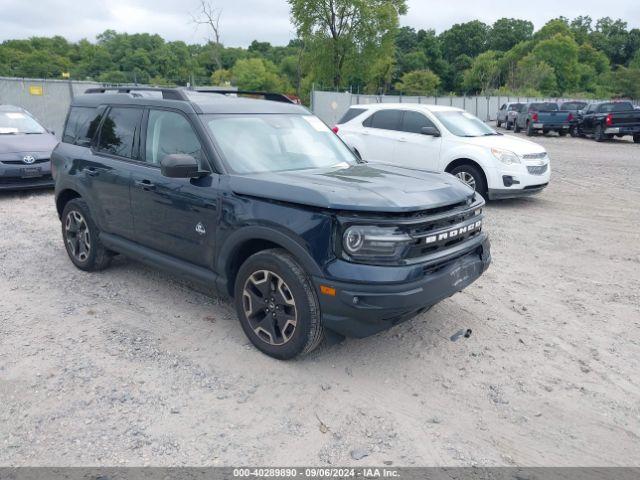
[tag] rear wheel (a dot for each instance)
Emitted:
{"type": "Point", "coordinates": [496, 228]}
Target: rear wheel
{"type": "Point", "coordinates": [636, 138]}
{"type": "Point", "coordinates": [472, 176]}
{"type": "Point", "coordinates": [499, 123]}
{"type": "Point", "coordinates": [277, 305]}
{"type": "Point", "coordinates": [573, 131]}
{"type": "Point", "coordinates": [562, 133]}
{"type": "Point", "coordinates": [81, 238]}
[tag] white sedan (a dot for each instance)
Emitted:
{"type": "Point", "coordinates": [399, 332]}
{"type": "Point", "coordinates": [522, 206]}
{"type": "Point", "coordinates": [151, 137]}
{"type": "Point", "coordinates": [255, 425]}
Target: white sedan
{"type": "Point", "coordinates": [438, 138]}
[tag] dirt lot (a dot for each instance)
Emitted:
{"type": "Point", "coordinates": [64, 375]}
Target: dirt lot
{"type": "Point", "coordinates": [129, 367]}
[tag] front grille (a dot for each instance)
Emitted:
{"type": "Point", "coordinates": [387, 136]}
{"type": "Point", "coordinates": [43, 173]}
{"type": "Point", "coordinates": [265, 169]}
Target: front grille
{"type": "Point", "coordinates": [537, 169]}
{"type": "Point", "coordinates": [534, 156]}
{"type": "Point", "coordinates": [435, 236]}
{"type": "Point", "coordinates": [20, 162]}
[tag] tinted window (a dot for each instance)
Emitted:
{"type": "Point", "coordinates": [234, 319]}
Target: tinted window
{"type": "Point", "coordinates": [544, 107]}
{"type": "Point", "coordinates": [81, 125]}
{"type": "Point", "coordinates": [350, 115]}
{"type": "Point", "coordinates": [515, 107]}
{"type": "Point", "coordinates": [387, 119]}
{"type": "Point", "coordinates": [120, 131]}
{"type": "Point", "coordinates": [168, 133]}
{"type": "Point", "coordinates": [413, 122]}
{"type": "Point", "coordinates": [616, 107]}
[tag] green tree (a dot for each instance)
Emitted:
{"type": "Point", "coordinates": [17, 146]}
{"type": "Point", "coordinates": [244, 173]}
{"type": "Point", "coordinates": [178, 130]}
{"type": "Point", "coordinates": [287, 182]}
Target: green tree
{"type": "Point", "coordinates": [561, 53]}
{"type": "Point", "coordinates": [257, 74]}
{"type": "Point", "coordinates": [556, 26]}
{"type": "Point", "coordinates": [627, 82]}
{"type": "Point", "coordinates": [341, 33]}
{"type": "Point", "coordinates": [419, 82]}
{"type": "Point", "coordinates": [464, 39]}
{"type": "Point", "coordinates": [484, 74]}
{"type": "Point", "coordinates": [508, 32]}
{"type": "Point", "coordinates": [534, 77]}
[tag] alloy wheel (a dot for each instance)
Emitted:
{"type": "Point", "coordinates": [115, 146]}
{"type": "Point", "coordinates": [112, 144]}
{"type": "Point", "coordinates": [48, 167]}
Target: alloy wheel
{"type": "Point", "coordinates": [269, 307]}
{"type": "Point", "coordinates": [77, 235]}
{"type": "Point", "coordinates": [467, 178]}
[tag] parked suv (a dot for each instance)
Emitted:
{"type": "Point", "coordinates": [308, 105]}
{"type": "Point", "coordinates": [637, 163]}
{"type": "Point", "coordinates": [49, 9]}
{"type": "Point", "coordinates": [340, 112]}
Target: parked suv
{"type": "Point", "coordinates": [447, 139]}
{"type": "Point", "coordinates": [262, 201]}
{"type": "Point", "coordinates": [25, 150]}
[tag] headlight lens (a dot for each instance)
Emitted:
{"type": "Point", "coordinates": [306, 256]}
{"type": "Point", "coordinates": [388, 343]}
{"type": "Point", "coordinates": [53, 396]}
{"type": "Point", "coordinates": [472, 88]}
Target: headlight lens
{"type": "Point", "coordinates": [375, 243]}
{"type": "Point", "coordinates": [505, 156]}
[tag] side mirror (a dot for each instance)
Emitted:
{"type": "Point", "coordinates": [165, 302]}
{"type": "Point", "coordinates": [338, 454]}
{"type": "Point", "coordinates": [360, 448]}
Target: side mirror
{"type": "Point", "coordinates": [431, 131]}
{"type": "Point", "coordinates": [179, 165]}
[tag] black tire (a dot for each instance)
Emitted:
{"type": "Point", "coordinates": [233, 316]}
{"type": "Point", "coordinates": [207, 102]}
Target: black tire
{"type": "Point", "coordinates": [509, 126]}
{"type": "Point", "coordinates": [269, 333]}
{"type": "Point", "coordinates": [562, 133]}
{"type": "Point", "coordinates": [530, 131]}
{"type": "Point", "coordinates": [599, 135]}
{"type": "Point", "coordinates": [498, 123]}
{"type": "Point", "coordinates": [636, 138]}
{"type": "Point", "coordinates": [573, 131]}
{"type": "Point", "coordinates": [478, 178]}
{"type": "Point", "coordinates": [516, 128]}
{"type": "Point", "coordinates": [81, 238]}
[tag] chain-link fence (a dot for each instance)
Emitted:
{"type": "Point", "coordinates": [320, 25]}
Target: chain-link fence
{"type": "Point", "coordinates": [47, 100]}
{"type": "Point", "coordinates": [330, 106]}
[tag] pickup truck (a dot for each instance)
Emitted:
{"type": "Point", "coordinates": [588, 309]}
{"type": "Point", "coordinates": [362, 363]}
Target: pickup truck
{"type": "Point", "coordinates": [608, 119]}
{"type": "Point", "coordinates": [543, 117]}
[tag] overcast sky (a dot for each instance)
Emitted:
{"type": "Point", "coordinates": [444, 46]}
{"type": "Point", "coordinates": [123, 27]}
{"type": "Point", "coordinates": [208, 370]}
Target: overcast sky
{"type": "Point", "coordinates": [265, 20]}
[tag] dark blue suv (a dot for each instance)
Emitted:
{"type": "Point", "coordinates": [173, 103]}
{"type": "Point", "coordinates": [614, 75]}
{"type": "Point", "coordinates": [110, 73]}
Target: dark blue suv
{"type": "Point", "coordinates": [261, 200]}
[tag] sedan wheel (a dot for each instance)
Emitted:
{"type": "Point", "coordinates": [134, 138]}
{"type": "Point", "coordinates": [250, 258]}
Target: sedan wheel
{"type": "Point", "coordinates": [467, 178]}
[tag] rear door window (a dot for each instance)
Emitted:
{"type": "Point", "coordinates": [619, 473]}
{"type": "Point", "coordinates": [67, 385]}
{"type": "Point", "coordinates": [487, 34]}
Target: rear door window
{"type": "Point", "coordinates": [120, 132]}
{"type": "Point", "coordinates": [81, 125]}
{"type": "Point", "coordinates": [387, 120]}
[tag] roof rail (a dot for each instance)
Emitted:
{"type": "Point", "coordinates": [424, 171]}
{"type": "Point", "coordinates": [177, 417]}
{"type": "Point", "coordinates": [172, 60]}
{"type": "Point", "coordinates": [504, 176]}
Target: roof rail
{"type": "Point", "coordinates": [274, 97]}
{"type": "Point", "coordinates": [167, 93]}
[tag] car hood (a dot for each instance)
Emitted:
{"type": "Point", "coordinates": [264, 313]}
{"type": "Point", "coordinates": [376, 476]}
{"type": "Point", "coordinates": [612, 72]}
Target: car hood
{"type": "Point", "coordinates": [22, 143]}
{"type": "Point", "coordinates": [516, 145]}
{"type": "Point", "coordinates": [363, 187]}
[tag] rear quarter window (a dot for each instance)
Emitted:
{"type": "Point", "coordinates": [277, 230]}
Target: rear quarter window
{"type": "Point", "coordinates": [350, 115]}
{"type": "Point", "coordinates": [81, 125]}
{"type": "Point", "coordinates": [386, 120]}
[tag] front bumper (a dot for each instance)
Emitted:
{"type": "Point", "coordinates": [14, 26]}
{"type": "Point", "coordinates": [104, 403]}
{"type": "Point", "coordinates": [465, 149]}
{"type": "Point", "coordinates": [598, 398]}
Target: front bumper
{"type": "Point", "coordinates": [502, 193]}
{"type": "Point", "coordinates": [363, 309]}
{"type": "Point", "coordinates": [15, 175]}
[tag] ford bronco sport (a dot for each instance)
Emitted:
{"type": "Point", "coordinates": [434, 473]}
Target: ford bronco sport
{"type": "Point", "coordinates": [262, 201]}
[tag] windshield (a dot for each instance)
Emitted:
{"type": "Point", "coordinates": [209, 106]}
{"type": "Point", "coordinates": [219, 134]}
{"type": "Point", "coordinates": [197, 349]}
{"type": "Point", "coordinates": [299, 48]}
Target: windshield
{"type": "Point", "coordinates": [14, 123]}
{"type": "Point", "coordinates": [463, 124]}
{"type": "Point", "coordinates": [255, 143]}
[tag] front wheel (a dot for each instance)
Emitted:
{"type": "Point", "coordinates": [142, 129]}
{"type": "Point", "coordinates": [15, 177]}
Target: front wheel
{"type": "Point", "coordinates": [573, 131]}
{"type": "Point", "coordinates": [277, 305]}
{"type": "Point", "coordinates": [472, 176]}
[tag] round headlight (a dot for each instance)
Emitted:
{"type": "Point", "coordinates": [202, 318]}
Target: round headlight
{"type": "Point", "coordinates": [353, 239]}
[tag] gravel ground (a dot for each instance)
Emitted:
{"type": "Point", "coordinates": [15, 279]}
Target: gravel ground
{"type": "Point", "coordinates": [131, 367]}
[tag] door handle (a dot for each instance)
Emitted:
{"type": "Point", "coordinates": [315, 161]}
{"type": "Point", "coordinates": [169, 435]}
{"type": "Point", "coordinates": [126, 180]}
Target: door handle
{"type": "Point", "coordinates": [144, 185]}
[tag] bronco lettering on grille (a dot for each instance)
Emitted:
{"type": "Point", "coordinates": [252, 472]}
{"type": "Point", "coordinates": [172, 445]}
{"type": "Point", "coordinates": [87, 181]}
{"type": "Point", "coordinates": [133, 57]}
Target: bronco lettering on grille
{"type": "Point", "coordinates": [453, 233]}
